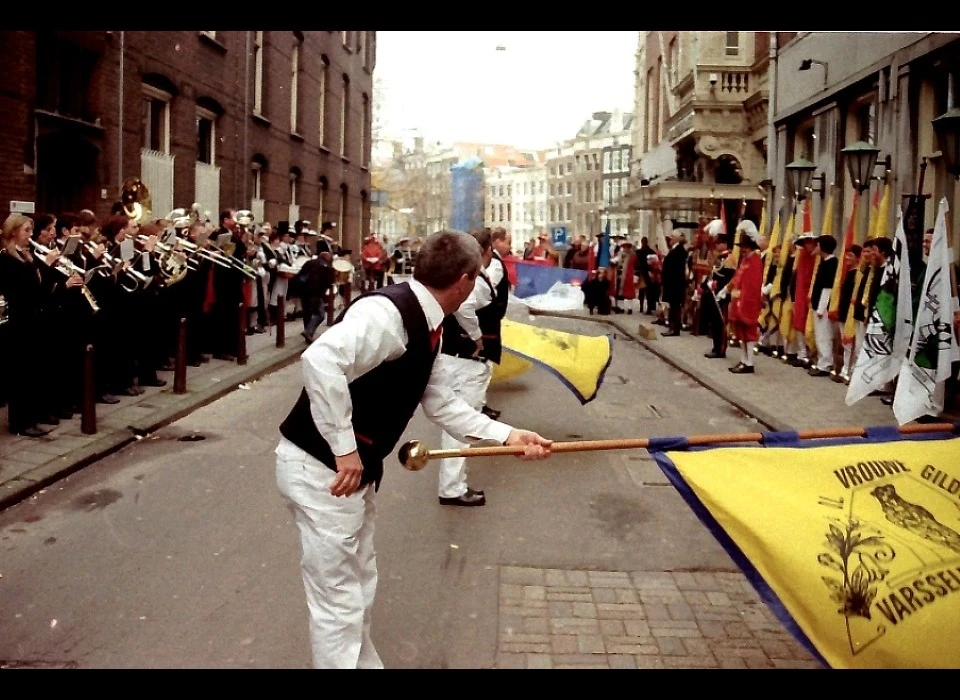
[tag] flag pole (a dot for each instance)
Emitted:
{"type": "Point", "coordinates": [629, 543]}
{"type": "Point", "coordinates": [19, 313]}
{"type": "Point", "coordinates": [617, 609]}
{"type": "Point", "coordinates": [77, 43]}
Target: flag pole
{"type": "Point", "coordinates": [414, 455]}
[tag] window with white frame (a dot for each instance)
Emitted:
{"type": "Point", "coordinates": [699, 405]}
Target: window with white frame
{"type": "Point", "coordinates": [295, 87]}
{"type": "Point", "coordinates": [606, 191]}
{"type": "Point", "coordinates": [615, 194]}
{"type": "Point", "coordinates": [324, 72]}
{"type": "Point", "coordinates": [733, 43]}
{"type": "Point", "coordinates": [156, 119]}
{"type": "Point", "coordinates": [615, 165]}
{"type": "Point", "coordinates": [569, 188]}
{"type": "Point", "coordinates": [258, 73]}
{"type": "Point", "coordinates": [206, 136]}
{"type": "Point", "coordinates": [606, 161]}
{"type": "Point", "coordinates": [344, 116]}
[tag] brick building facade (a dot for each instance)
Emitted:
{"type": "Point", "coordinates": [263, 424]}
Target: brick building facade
{"type": "Point", "coordinates": [276, 122]}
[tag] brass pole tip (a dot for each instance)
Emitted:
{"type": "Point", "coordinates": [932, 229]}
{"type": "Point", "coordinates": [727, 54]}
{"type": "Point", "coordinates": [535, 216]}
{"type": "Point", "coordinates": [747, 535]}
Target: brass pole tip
{"type": "Point", "coordinates": [413, 455]}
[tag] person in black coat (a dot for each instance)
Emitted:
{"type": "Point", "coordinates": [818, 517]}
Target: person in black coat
{"type": "Point", "coordinates": [21, 284]}
{"type": "Point", "coordinates": [674, 282]}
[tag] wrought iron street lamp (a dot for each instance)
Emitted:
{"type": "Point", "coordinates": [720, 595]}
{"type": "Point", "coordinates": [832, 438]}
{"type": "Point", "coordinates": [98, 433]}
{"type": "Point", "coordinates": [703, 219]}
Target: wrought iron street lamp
{"type": "Point", "coordinates": [799, 175]}
{"type": "Point", "coordinates": [861, 159]}
{"type": "Point", "coordinates": [947, 128]}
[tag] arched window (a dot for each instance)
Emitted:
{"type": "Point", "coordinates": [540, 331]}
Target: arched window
{"type": "Point", "coordinates": [258, 52]}
{"type": "Point", "coordinates": [364, 129]}
{"type": "Point", "coordinates": [322, 204]}
{"type": "Point", "coordinates": [258, 195]}
{"type": "Point", "coordinates": [324, 72]}
{"type": "Point", "coordinates": [344, 113]}
{"type": "Point", "coordinates": [342, 216]}
{"type": "Point", "coordinates": [294, 210]}
{"type": "Point", "coordinates": [295, 83]}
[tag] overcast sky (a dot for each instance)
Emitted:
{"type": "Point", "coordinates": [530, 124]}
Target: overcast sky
{"type": "Point", "coordinates": [456, 86]}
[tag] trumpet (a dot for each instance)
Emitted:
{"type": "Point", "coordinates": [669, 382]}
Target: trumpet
{"type": "Point", "coordinates": [69, 269]}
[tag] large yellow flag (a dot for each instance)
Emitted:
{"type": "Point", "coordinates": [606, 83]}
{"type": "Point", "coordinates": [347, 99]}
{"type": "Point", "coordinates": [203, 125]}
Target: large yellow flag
{"type": "Point", "coordinates": [786, 303]}
{"type": "Point", "coordinates": [776, 299]}
{"type": "Point", "coordinates": [767, 316]}
{"type": "Point", "coordinates": [855, 546]}
{"type": "Point", "coordinates": [579, 361]}
{"type": "Point", "coordinates": [826, 229]}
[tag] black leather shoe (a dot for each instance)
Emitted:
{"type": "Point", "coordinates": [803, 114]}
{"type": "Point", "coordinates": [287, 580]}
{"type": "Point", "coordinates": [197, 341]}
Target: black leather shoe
{"type": "Point", "coordinates": [670, 334]}
{"type": "Point", "coordinates": [228, 358]}
{"type": "Point", "coordinates": [491, 413]}
{"type": "Point", "coordinates": [49, 420]}
{"type": "Point", "coordinates": [742, 369]}
{"type": "Point", "coordinates": [167, 367]}
{"type": "Point", "coordinates": [129, 391]}
{"type": "Point", "coordinates": [713, 355]}
{"type": "Point", "coordinates": [817, 372]}
{"type": "Point", "coordinates": [107, 398]}
{"type": "Point", "coordinates": [467, 499]}
{"type": "Point", "coordinates": [156, 381]}
{"type": "Point", "coordinates": [887, 400]}
{"type": "Point", "coordinates": [33, 431]}
{"type": "Point", "coordinates": [474, 492]}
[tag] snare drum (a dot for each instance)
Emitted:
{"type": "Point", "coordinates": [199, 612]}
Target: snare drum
{"type": "Point", "coordinates": [343, 270]}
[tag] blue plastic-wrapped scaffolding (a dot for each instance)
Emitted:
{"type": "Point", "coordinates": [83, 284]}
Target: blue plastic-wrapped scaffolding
{"type": "Point", "coordinates": [466, 188]}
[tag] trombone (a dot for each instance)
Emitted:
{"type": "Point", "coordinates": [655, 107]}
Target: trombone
{"type": "Point", "coordinates": [129, 279]}
{"type": "Point", "coordinates": [69, 269]}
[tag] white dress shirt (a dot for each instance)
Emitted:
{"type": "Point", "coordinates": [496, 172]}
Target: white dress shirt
{"type": "Point", "coordinates": [371, 333]}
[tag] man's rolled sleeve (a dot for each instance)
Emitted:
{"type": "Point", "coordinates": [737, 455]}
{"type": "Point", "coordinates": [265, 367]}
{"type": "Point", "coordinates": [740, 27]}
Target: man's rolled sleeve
{"type": "Point", "coordinates": [442, 406]}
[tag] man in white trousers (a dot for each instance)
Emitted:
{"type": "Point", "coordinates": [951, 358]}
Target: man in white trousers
{"type": "Point", "coordinates": [824, 328]}
{"type": "Point", "coordinates": [471, 345]}
{"type": "Point", "coordinates": [345, 424]}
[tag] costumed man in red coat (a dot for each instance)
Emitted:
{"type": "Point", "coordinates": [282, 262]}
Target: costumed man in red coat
{"type": "Point", "coordinates": [800, 284]}
{"type": "Point", "coordinates": [745, 297]}
{"type": "Point", "coordinates": [623, 286]}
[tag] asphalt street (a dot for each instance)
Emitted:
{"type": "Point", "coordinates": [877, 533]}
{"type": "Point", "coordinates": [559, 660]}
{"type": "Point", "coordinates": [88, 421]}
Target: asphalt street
{"type": "Point", "coordinates": [178, 552]}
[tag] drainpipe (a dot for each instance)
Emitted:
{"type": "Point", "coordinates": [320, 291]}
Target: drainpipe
{"type": "Point", "coordinates": [771, 128]}
{"type": "Point", "coordinates": [246, 120]}
{"type": "Point", "coordinates": [120, 121]}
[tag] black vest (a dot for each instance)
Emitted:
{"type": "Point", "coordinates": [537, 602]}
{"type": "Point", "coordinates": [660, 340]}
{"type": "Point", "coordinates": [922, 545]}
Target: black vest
{"type": "Point", "coordinates": [379, 416]}
{"type": "Point", "coordinates": [457, 342]}
{"type": "Point", "coordinates": [491, 315]}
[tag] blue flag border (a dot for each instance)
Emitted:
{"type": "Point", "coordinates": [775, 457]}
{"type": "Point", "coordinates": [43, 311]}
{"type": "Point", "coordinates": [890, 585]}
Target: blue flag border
{"type": "Point", "coordinates": [576, 392]}
{"type": "Point", "coordinates": [658, 449]}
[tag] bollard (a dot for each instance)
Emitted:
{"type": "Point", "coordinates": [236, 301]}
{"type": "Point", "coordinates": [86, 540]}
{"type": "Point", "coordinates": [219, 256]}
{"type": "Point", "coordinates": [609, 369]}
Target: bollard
{"type": "Point", "coordinates": [88, 410]}
{"type": "Point", "coordinates": [180, 364]}
{"type": "Point", "coordinates": [331, 299]}
{"type": "Point", "coordinates": [281, 320]}
{"type": "Point", "coordinates": [241, 333]}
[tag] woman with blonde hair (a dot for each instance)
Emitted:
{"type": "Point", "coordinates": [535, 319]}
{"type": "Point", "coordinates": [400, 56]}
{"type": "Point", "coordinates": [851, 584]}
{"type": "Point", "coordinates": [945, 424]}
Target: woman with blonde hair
{"type": "Point", "coordinates": [20, 284]}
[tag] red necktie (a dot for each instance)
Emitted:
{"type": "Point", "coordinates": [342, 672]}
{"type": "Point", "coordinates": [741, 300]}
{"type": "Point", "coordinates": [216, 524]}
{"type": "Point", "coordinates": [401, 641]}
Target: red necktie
{"type": "Point", "coordinates": [435, 337]}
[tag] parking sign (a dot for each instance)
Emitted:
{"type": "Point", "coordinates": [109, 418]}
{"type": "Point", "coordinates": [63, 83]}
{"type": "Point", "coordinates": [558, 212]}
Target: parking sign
{"type": "Point", "coordinates": [559, 235]}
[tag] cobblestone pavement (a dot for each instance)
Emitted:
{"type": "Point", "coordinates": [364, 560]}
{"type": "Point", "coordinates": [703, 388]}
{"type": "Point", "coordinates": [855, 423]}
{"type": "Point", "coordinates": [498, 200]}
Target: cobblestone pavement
{"type": "Point", "coordinates": [552, 618]}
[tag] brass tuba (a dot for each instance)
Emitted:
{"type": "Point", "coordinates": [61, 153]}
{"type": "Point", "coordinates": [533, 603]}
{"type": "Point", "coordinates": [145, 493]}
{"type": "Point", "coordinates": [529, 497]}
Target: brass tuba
{"type": "Point", "coordinates": [135, 198]}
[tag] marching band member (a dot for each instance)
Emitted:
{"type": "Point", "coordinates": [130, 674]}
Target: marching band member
{"type": "Point", "coordinates": [20, 284]}
{"type": "Point", "coordinates": [343, 426]}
